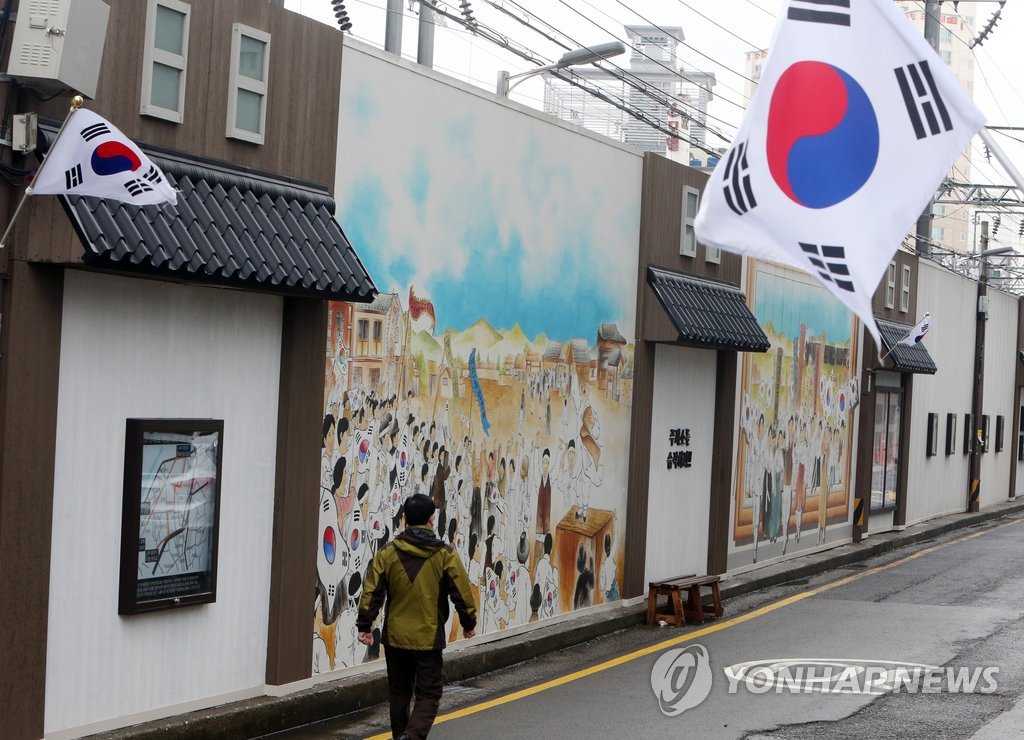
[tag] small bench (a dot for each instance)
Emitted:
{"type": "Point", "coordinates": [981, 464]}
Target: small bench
{"type": "Point", "coordinates": [693, 607]}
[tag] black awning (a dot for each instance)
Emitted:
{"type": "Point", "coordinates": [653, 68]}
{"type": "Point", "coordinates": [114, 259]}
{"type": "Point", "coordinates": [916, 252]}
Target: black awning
{"type": "Point", "coordinates": [706, 312]}
{"type": "Point", "coordinates": [229, 227]}
{"type": "Point", "coordinates": [907, 359]}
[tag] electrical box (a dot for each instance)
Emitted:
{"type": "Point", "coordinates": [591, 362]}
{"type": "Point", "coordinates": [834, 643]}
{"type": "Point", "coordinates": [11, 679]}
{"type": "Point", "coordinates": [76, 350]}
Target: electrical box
{"type": "Point", "coordinates": [58, 44]}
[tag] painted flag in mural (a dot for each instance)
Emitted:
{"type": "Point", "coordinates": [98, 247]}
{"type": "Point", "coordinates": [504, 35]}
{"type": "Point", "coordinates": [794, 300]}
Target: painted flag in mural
{"type": "Point", "coordinates": [421, 312]}
{"type": "Point", "coordinates": [854, 124]}
{"type": "Point", "coordinates": [478, 392]}
{"type": "Point", "coordinates": [917, 333]}
{"type": "Point", "coordinates": [91, 157]}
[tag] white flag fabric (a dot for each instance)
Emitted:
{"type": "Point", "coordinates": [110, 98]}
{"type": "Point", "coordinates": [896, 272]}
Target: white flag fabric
{"type": "Point", "coordinates": [92, 157]}
{"type": "Point", "coordinates": [854, 124]}
{"type": "Point", "coordinates": [917, 333]}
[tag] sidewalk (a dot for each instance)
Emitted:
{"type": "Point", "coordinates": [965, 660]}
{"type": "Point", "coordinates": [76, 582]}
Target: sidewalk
{"type": "Point", "coordinates": [264, 715]}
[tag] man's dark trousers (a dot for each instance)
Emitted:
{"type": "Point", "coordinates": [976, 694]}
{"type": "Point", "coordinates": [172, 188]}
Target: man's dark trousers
{"type": "Point", "coordinates": [408, 670]}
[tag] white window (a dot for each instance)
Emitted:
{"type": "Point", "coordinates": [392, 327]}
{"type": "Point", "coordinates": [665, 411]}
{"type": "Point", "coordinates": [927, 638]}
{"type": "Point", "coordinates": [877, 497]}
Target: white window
{"type": "Point", "coordinates": [713, 255]}
{"type": "Point", "coordinates": [247, 93]}
{"type": "Point", "coordinates": [905, 289]}
{"type": "Point", "coordinates": [890, 286]}
{"type": "Point", "coordinates": [165, 59]}
{"type": "Point", "coordinates": [688, 238]}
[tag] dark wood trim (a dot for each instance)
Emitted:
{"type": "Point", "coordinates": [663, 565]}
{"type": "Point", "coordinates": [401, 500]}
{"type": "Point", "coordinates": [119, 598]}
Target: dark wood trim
{"type": "Point", "coordinates": [906, 423]}
{"type": "Point", "coordinates": [722, 461]}
{"type": "Point", "coordinates": [297, 481]}
{"type": "Point", "coordinates": [29, 373]}
{"type": "Point", "coordinates": [865, 435]}
{"type": "Point", "coordinates": [637, 491]}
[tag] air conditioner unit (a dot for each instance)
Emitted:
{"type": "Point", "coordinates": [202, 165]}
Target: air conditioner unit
{"type": "Point", "coordinates": [58, 44]}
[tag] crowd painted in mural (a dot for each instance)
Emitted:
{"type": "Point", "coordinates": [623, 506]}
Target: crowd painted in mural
{"type": "Point", "coordinates": [511, 437]}
{"type": "Point", "coordinates": [796, 416]}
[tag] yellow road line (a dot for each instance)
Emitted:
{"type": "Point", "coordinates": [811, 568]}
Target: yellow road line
{"type": "Point", "coordinates": [716, 627]}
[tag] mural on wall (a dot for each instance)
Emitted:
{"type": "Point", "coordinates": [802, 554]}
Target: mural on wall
{"type": "Point", "coordinates": [796, 418]}
{"type": "Point", "coordinates": [491, 373]}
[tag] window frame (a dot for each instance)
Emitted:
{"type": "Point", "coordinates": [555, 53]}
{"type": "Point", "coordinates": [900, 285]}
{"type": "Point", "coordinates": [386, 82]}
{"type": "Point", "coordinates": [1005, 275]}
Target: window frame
{"type": "Point", "coordinates": [951, 438]}
{"type": "Point", "coordinates": [152, 56]}
{"type": "Point", "coordinates": [687, 221]}
{"type": "Point", "coordinates": [890, 285]}
{"type": "Point", "coordinates": [237, 81]}
{"type": "Point", "coordinates": [905, 289]}
{"type": "Point", "coordinates": [713, 255]}
{"type": "Point", "coordinates": [932, 447]}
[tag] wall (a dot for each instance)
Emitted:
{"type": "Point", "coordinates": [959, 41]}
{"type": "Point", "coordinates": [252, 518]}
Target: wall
{"type": "Point", "coordinates": [1000, 373]}
{"type": "Point", "coordinates": [938, 485]}
{"type": "Point", "coordinates": [141, 348]}
{"type": "Point", "coordinates": [506, 241]}
{"type": "Point", "coordinates": [678, 498]}
{"type": "Point", "coordinates": [796, 401]}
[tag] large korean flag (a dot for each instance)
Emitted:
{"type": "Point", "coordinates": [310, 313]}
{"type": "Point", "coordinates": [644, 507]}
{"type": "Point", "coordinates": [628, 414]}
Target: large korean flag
{"type": "Point", "coordinates": [854, 124]}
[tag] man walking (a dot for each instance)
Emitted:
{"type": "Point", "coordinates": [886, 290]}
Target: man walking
{"type": "Point", "coordinates": [417, 573]}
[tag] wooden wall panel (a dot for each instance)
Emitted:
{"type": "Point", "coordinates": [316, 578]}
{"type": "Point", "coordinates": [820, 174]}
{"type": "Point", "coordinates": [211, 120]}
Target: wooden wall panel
{"type": "Point", "coordinates": [28, 411]}
{"type": "Point", "coordinates": [302, 97]}
{"type": "Point", "coordinates": [300, 411]}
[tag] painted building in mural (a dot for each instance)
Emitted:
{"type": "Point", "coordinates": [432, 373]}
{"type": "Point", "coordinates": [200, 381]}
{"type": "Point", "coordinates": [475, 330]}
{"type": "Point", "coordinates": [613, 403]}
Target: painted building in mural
{"type": "Point", "coordinates": [792, 488]}
{"type": "Point", "coordinates": [492, 373]}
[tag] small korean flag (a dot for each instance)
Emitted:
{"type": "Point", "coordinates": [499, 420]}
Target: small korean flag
{"type": "Point", "coordinates": [91, 157]}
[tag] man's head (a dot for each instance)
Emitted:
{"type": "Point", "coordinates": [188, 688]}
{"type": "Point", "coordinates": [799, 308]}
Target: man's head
{"type": "Point", "coordinates": [419, 508]}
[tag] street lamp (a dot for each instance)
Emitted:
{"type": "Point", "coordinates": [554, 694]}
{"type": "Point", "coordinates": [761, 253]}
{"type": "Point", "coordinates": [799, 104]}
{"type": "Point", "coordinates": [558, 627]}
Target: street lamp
{"type": "Point", "coordinates": [585, 55]}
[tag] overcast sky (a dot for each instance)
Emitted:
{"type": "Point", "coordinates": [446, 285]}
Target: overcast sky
{"type": "Point", "coordinates": [718, 34]}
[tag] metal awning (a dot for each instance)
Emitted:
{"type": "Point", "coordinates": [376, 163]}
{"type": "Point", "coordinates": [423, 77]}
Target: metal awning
{"type": "Point", "coordinates": [706, 312]}
{"type": "Point", "coordinates": [230, 227]}
{"type": "Point", "coordinates": [907, 359]}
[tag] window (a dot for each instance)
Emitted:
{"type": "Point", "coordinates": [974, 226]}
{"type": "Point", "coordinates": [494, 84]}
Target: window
{"type": "Point", "coordinates": [984, 433]}
{"type": "Point", "coordinates": [950, 434]}
{"type": "Point", "coordinates": [377, 333]}
{"type": "Point", "coordinates": [999, 433]}
{"type": "Point", "coordinates": [885, 456]}
{"type": "Point", "coordinates": [363, 336]}
{"type": "Point", "coordinates": [713, 255]}
{"type": "Point", "coordinates": [688, 242]}
{"type": "Point", "coordinates": [247, 93]}
{"type": "Point", "coordinates": [947, 57]}
{"type": "Point", "coordinates": [933, 435]}
{"type": "Point", "coordinates": [905, 290]}
{"type": "Point", "coordinates": [890, 286]}
{"type": "Point", "coordinates": [165, 59]}
{"type": "Point", "coordinates": [1020, 436]}
{"type": "Point", "coordinates": [967, 434]}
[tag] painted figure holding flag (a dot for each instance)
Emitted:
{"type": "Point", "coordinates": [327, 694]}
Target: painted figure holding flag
{"type": "Point", "coordinates": [854, 124]}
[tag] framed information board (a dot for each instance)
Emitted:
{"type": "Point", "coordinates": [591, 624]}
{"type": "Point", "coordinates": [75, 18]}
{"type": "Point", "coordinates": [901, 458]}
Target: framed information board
{"type": "Point", "coordinates": [170, 516]}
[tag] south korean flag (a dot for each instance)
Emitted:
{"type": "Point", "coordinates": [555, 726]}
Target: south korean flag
{"type": "Point", "coordinates": [854, 124]}
{"type": "Point", "coordinates": [92, 157]}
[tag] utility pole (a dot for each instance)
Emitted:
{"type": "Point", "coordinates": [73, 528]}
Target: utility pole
{"type": "Point", "coordinates": [393, 28]}
{"type": "Point", "coordinates": [974, 491]}
{"type": "Point", "coordinates": [425, 47]}
{"type": "Point", "coordinates": [932, 9]}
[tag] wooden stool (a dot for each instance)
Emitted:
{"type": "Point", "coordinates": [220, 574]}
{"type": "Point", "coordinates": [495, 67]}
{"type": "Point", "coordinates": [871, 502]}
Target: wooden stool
{"type": "Point", "coordinates": [670, 589]}
{"type": "Point", "coordinates": [693, 607]}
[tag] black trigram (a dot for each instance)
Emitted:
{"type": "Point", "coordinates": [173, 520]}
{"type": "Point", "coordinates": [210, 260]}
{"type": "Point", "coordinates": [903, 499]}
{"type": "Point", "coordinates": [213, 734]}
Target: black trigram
{"type": "Point", "coordinates": [137, 187]}
{"type": "Point", "coordinates": [921, 97]}
{"type": "Point", "coordinates": [831, 264]}
{"type": "Point", "coordinates": [97, 129]}
{"type": "Point", "coordinates": [738, 193]}
{"type": "Point", "coordinates": [73, 177]}
{"type": "Point", "coordinates": [153, 175]}
{"type": "Point", "coordinates": [836, 17]}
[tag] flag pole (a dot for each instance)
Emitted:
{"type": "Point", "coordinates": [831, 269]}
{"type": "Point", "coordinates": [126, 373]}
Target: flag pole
{"type": "Point", "coordinates": [1000, 155]}
{"type": "Point", "coordinates": [76, 103]}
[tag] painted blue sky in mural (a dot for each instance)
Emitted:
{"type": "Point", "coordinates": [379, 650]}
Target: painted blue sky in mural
{"type": "Point", "coordinates": [516, 232]}
{"type": "Point", "coordinates": [787, 302]}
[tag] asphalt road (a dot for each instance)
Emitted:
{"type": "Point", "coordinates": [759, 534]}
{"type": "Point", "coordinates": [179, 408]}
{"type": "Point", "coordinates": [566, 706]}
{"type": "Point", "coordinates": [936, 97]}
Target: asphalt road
{"type": "Point", "coordinates": [956, 602]}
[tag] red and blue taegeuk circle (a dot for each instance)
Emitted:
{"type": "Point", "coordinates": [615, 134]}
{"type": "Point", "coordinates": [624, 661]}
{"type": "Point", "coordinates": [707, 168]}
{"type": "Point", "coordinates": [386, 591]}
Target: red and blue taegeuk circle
{"type": "Point", "coordinates": [822, 135]}
{"type": "Point", "coordinates": [330, 545]}
{"type": "Point", "coordinates": [113, 157]}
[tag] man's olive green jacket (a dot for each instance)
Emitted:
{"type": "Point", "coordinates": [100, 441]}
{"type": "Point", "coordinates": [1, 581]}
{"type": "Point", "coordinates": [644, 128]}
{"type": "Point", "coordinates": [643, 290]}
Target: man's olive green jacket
{"type": "Point", "coordinates": [417, 573]}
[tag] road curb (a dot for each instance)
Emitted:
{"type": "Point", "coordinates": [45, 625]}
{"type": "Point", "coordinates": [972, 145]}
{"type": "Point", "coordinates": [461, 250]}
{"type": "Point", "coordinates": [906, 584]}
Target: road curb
{"type": "Point", "coordinates": [265, 715]}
